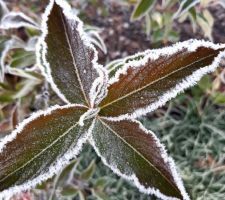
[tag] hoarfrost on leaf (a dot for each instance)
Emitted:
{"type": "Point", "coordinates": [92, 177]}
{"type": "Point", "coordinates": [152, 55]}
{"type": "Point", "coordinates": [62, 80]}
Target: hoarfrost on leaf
{"type": "Point", "coordinates": [100, 109]}
{"type": "Point", "coordinates": [16, 20]}
{"type": "Point", "coordinates": [158, 76]}
{"type": "Point", "coordinates": [67, 38]}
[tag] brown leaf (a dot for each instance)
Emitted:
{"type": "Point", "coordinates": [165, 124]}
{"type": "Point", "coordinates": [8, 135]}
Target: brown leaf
{"type": "Point", "coordinates": [70, 59]}
{"type": "Point", "coordinates": [149, 85]}
{"type": "Point", "coordinates": [132, 151]}
{"type": "Point", "coordinates": [39, 143]}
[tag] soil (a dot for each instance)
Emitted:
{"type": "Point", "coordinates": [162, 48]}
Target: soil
{"type": "Point", "coordinates": [123, 37]}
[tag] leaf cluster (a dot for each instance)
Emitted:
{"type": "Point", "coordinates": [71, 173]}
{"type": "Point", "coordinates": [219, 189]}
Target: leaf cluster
{"type": "Point", "coordinates": [101, 109]}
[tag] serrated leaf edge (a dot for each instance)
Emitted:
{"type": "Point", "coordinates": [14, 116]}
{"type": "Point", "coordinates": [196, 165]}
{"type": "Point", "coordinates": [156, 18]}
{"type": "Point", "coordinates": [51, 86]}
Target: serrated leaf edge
{"type": "Point", "coordinates": [191, 46]}
{"type": "Point", "coordinates": [54, 169]}
{"type": "Point", "coordinates": [99, 87]}
{"type": "Point", "coordinates": [133, 178]}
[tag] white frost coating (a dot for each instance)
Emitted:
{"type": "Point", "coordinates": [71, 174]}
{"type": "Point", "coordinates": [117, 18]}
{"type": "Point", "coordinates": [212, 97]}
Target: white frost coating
{"type": "Point", "coordinates": [87, 115]}
{"type": "Point", "coordinates": [35, 115]}
{"type": "Point", "coordinates": [114, 63]}
{"type": "Point", "coordinates": [96, 39]}
{"type": "Point", "coordinates": [31, 44]}
{"type": "Point", "coordinates": [10, 44]}
{"type": "Point", "coordinates": [17, 20]}
{"type": "Point", "coordinates": [181, 12]}
{"type": "Point", "coordinates": [133, 178]}
{"type": "Point", "coordinates": [46, 70]}
{"type": "Point", "coordinates": [41, 51]}
{"type": "Point", "coordinates": [99, 87]}
{"type": "Point", "coordinates": [191, 46]}
{"type": "Point", "coordinates": [3, 8]}
{"type": "Point", "coordinates": [55, 168]}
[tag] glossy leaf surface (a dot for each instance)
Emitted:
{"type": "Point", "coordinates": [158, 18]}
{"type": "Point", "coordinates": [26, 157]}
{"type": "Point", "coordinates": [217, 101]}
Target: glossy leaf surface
{"type": "Point", "coordinates": [39, 144]}
{"type": "Point", "coordinates": [149, 83]}
{"type": "Point", "coordinates": [70, 59]}
{"type": "Point", "coordinates": [133, 151]}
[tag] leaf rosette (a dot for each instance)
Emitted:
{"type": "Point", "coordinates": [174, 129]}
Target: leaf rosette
{"type": "Point", "coordinates": [101, 110]}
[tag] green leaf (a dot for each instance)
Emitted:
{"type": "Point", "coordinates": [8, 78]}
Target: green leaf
{"type": "Point", "coordinates": [3, 41]}
{"type": "Point", "coordinates": [64, 177]}
{"type": "Point", "coordinates": [143, 86]}
{"type": "Point", "coordinates": [134, 152]}
{"type": "Point", "coordinates": [69, 191]}
{"type": "Point", "coordinates": [40, 146]}
{"type": "Point", "coordinates": [219, 98]}
{"type": "Point", "coordinates": [101, 182]}
{"type": "Point", "coordinates": [17, 20]}
{"type": "Point", "coordinates": [205, 83]}
{"type": "Point", "coordinates": [185, 6]}
{"type": "Point", "coordinates": [72, 61]}
{"type": "Point", "coordinates": [22, 58]}
{"type": "Point", "coordinates": [100, 195]}
{"type": "Point", "coordinates": [142, 8]}
{"type": "Point", "coordinates": [89, 171]}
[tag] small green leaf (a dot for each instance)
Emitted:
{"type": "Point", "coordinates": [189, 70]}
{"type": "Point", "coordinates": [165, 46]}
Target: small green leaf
{"type": "Point", "coordinates": [69, 191]}
{"type": "Point", "coordinates": [219, 98]}
{"type": "Point", "coordinates": [89, 171]}
{"type": "Point", "coordinates": [205, 83]}
{"type": "Point", "coordinates": [185, 6]}
{"type": "Point", "coordinates": [101, 182]}
{"type": "Point", "coordinates": [100, 195]}
{"type": "Point", "coordinates": [142, 8]}
{"type": "Point", "coordinates": [62, 178]}
{"type": "Point", "coordinates": [21, 58]}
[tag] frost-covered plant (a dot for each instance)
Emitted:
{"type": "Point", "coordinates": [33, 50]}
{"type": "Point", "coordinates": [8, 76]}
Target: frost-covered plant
{"type": "Point", "coordinates": [25, 51]}
{"type": "Point", "coordinates": [21, 84]}
{"type": "Point", "coordinates": [101, 109]}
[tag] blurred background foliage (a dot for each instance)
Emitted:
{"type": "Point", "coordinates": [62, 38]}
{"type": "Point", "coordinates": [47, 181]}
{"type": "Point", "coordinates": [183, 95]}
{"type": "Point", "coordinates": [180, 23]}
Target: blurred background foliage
{"type": "Point", "coordinates": [192, 126]}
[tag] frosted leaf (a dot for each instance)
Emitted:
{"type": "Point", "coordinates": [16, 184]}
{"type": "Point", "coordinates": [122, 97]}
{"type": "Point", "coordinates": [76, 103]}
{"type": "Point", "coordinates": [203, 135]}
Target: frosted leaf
{"type": "Point", "coordinates": [5, 46]}
{"type": "Point", "coordinates": [63, 35]}
{"type": "Point", "coordinates": [137, 155]}
{"type": "Point", "coordinates": [142, 85]}
{"type": "Point", "coordinates": [40, 146]}
{"type": "Point", "coordinates": [17, 20]}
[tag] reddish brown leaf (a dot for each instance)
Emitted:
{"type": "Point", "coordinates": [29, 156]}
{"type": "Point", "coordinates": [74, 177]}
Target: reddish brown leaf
{"type": "Point", "coordinates": [136, 153]}
{"type": "Point", "coordinates": [147, 86]}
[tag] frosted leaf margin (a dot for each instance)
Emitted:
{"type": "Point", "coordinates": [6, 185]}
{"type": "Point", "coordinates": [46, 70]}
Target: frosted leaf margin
{"type": "Point", "coordinates": [133, 178]}
{"type": "Point", "coordinates": [190, 46]}
{"type": "Point", "coordinates": [55, 168]}
{"type": "Point", "coordinates": [99, 87]}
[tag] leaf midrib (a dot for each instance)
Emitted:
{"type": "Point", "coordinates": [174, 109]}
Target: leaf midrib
{"type": "Point", "coordinates": [135, 91]}
{"type": "Point", "coordinates": [129, 145]}
{"type": "Point", "coordinates": [74, 62]}
{"type": "Point", "coordinates": [40, 153]}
